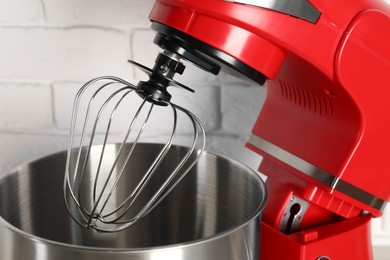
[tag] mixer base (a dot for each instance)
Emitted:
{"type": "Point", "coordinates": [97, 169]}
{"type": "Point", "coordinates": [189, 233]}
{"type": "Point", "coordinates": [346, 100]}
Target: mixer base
{"type": "Point", "coordinates": [348, 239]}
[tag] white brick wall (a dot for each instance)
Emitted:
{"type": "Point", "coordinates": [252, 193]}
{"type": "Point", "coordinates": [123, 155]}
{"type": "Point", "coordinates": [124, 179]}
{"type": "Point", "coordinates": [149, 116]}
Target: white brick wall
{"type": "Point", "coordinates": [49, 48]}
{"type": "Point", "coordinates": [47, 53]}
{"type": "Point", "coordinates": [21, 12]}
{"type": "Point", "coordinates": [21, 102]}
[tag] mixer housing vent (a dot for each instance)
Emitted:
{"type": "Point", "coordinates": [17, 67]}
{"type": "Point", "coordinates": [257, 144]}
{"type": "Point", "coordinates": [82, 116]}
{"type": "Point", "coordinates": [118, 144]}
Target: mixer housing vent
{"type": "Point", "coordinates": [315, 102]}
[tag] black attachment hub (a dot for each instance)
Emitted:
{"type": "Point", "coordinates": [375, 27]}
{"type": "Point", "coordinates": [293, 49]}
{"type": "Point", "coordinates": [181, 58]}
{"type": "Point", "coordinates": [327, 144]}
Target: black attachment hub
{"type": "Point", "coordinates": [167, 64]}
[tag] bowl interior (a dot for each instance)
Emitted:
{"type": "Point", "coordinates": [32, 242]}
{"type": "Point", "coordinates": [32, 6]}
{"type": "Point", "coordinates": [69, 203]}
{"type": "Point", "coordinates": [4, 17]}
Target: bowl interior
{"type": "Point", "coordinates": [218, 194]}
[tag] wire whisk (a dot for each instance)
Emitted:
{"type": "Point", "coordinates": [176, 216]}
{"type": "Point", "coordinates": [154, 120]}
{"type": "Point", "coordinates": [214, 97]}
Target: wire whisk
{"type": "Point", "coordinates": [102, 108]}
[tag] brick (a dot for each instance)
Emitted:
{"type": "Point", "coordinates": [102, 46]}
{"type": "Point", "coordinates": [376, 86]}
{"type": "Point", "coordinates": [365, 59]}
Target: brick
{"type": "Point", "coordinates": [62, 54]}
{"type": "Point", "coordinates": [204, 104]}
{"type": "Point", "coordinates": [63, 95]}
{"type": "Point", "coordinates": [21, 12]}
{"type": "Point", "coordinates": [143, 50]}
{"type": "Point", "coordinates": [241, 104]}
{"type": "Point", "coordinates": [115, 13]}
{"type": "Point", "coordinates": [233, 146]}
{"type": "Point", "coordinates": [25, 106]}
{"type": "Point", "coordinates": [16, 149]}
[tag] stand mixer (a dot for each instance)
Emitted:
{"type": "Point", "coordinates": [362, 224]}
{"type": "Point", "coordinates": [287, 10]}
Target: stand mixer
{"type": "Point", "coordinates": [322, 131]}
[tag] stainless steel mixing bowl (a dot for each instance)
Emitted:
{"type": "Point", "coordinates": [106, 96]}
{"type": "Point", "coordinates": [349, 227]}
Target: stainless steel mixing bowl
{"type": "Point", "coordinates": [213, 213]}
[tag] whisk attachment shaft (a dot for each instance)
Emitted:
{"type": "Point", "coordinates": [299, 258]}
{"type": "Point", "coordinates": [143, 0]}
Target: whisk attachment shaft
{"type": "Point", "coordinates": [101, 109]}
{"type": "Point", "coordinates": [167, 64]}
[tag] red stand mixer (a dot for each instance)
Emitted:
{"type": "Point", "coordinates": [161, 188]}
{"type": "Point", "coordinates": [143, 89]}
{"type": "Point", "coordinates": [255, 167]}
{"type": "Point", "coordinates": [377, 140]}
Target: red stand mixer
{"type": "Point", "coordinates": [323, 130]}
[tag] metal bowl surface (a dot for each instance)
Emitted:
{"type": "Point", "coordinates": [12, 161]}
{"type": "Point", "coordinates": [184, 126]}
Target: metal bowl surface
{"type": "Point", "coordinates": [214, 213]}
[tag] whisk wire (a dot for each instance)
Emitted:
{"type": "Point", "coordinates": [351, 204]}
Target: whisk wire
{"type": "Point", "coordinates": [92, 136]}
{"type": "Point", "coordinates": [92, 214]}
{"type": "Point", "coordinates": [77, 178]}
{"type": "Point", "coordinates": [148, 175]}
{"type": "Point", "coordinates": [105, 207]}
{"type": "Point", "coordinates": [196, 124]}
{"type": "Point", "coordinates": [165, 189]}
{"type": "Point", "coordinates": [129, 153]}
{"type": "Point", "coordinates": [104, 144]}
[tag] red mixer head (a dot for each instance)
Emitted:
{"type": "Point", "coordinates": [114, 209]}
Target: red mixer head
{"type": "Point", "coordinates": [323, 130]}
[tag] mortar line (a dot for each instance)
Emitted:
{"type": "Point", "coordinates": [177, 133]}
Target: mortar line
{"type": "Point", "coordinates": [52, 99]}
{"type": "Point", "coordinates": [63, 28]}
{"type": "Point", "coordinates": [44, 14]}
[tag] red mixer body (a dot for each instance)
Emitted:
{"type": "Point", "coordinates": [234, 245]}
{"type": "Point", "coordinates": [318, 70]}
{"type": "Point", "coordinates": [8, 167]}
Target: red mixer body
{"type": "Point", "coordinates": [323, 131]}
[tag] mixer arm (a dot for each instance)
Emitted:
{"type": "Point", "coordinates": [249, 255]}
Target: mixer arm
{"type": "Point", "coordinates": [326, 120]}
{"type": "Point", "coordinates": [322, 128]}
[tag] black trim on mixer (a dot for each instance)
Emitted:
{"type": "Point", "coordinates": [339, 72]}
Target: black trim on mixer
{"type": "Point", "coordinates": [171, 44]}
{"type": "Point", "coordinates": [160, 77]}
{"type": "Point", "coordinates": [203, 55]}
